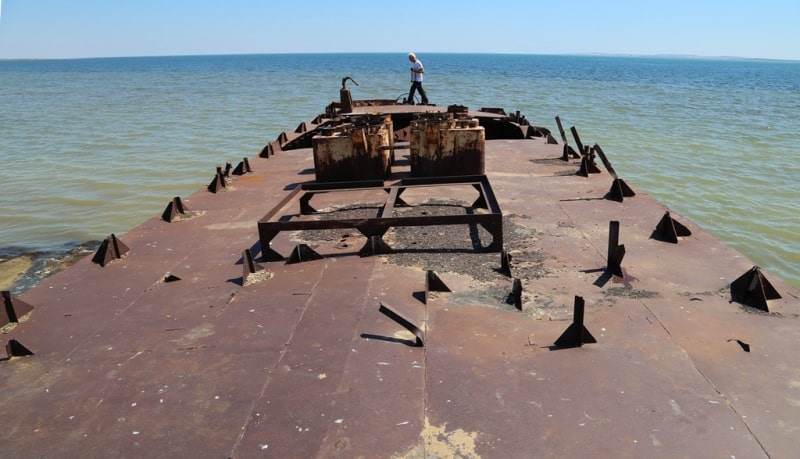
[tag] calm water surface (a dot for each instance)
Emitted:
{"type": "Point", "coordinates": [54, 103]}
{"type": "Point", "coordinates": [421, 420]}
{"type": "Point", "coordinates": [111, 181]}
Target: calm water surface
{"type": "Point", "coordinates": [92, 147]}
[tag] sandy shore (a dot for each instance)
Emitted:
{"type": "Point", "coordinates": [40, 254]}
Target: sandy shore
{"type": "Point", "coordinates": [13, 269]}
{"type": "Point", "coordinates": [22, 272]}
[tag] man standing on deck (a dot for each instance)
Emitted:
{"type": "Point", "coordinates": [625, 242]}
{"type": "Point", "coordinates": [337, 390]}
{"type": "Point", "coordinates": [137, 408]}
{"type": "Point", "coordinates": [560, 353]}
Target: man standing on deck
{"type": "Point", "coordinates": [416, 79]}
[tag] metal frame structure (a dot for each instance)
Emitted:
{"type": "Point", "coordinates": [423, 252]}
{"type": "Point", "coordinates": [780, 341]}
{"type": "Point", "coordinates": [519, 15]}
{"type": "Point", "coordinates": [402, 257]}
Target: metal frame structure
{"type": "Point", "coordinates": [276, 222]}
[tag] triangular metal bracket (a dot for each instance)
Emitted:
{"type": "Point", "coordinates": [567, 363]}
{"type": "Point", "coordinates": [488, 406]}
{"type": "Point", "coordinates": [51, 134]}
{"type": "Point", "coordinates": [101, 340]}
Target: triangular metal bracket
{"type": "Point", "coordinates": [398, 201]}
{"type": "Point", "coordinates": [217, 184]}
{"type": "Point", "coordinates": [174, 208]}
{"type": "Point", "coordinates": [250, 266]}
{"type": "Point", "coordinates": [405, 323]}
{"type": "Point", "coordinates": [270, 149]}
{"type": "Point", "coordinates": [569, 152]}
{"type": "Point", "coordinates": [505, 263]}
{"type": "Point", "coordinates": [224, 174]}
{"type": "Point", "coordinates": [15, 349]}
{"type": "Point", "coordinates": [243, 167]}
{"type": "Point", "coordinates": [480, 203]}
{"type": "Point", "coordinates": [576, 335]}
{"type": "Point", "coordinates": [269, 254]}
{"type": "Point", "coordinates": [14, 309]}
{"type": "Point", "coordinates": [375, 245]}
{"type": "Point", "coordinates": [305, 204]}
{"type": "Point", "coordinates": [302, 253]}
{"type": "Point", "coordinates": [274, 147]}
{"type": "Point", "coordinates": [588, 166]}
{"type": "Point", "coordinates": [620, 190]}
{"type": "Point", "coordinates": [434, 284]}
{"type": "Point", "coordinates": [668, 230]}
{"type": "Point", "coordinates": [110, 249]}
{"type": "Point", "coordinates": [515, 297]}
{"type": "Point", "coordinates": [251, 269]}
{"type": "Point", "coordinates": [753, 289]}
{"type": "Point", "coordinates": [615, 261]}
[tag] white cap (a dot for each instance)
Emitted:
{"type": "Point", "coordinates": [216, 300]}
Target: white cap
{"type": "Point", "coordinates": [412, 55]}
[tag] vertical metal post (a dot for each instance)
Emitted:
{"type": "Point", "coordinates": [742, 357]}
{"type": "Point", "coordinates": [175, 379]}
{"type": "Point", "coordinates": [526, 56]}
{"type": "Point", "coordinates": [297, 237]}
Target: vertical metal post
{"type": "Point", "coordinates": [615, 251]}
{"type": "Point", "coordinates": [577, 315]}
{"type": "Point", "coordinates": [613, 240]}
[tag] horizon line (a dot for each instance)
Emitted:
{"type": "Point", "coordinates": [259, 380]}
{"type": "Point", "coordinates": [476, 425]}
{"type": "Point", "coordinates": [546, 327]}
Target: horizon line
{"type": "Point", "coordinates": [587, 54]}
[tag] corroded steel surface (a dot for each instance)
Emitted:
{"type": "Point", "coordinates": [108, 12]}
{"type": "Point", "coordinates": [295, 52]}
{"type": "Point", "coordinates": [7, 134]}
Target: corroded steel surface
{"type": "Point", "coordinates": [447, 146]}
{"type": "Point", "coordinates": [357, 149]}
{"type": "Point", "coordinates": [302, 363]}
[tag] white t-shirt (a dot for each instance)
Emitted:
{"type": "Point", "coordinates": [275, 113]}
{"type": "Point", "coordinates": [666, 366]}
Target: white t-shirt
{"type": "Point", "coordinates": [417, 67]}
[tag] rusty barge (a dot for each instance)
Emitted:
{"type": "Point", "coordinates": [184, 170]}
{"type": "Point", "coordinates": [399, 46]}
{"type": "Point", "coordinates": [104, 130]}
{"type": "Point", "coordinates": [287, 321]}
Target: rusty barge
{"type": "Point", "coordinates": [407, 281]}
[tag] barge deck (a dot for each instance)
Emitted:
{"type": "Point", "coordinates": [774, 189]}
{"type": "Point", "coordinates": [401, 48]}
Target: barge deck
{"type": "Point", "coordinates": [419, 339]}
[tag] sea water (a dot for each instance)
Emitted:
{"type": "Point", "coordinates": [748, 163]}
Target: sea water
{"type": "Point", "coordinates": [91, 147]}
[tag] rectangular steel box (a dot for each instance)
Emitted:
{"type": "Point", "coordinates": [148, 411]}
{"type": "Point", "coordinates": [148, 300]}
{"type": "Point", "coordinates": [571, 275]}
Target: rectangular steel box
{"type": "Point", "coordinates": [447, 147]}
{"type": "Point", "coordinates": [351, 152]}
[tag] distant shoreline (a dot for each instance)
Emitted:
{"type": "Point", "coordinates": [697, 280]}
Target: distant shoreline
{"type": "Point", "coordinates": [432, 53]}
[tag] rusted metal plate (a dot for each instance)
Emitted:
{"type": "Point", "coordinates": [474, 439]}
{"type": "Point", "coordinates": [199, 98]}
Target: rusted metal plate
{"type": "Point", "coordinates": [446, 146]}
{"type": "Point", "coordinates": [493, 376]}
{"type": "Point", "coordinates": [359, 149]}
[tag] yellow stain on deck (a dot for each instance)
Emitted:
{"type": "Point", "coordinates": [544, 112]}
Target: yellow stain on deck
{"type": "Point", "coordinates": [436, 441]}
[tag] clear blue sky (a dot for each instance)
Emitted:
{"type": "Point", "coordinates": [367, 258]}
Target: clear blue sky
{"type": "Point", "coordinates": [103, 28]}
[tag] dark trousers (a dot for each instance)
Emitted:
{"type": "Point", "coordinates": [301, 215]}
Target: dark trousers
{"type": "Point", "coordinates": [417, 85]}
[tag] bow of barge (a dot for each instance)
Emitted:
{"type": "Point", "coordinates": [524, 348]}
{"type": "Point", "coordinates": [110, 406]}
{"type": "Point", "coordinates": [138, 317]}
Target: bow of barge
{"type": "Point", "coordinates": [389, 280]}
